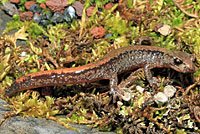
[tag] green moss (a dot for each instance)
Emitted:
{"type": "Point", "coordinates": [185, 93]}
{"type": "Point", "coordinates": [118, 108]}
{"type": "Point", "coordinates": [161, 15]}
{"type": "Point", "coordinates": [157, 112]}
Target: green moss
{"type": "Point", "coordinates": [41, 1]}
{"type": "Point", "coordinates": [15, 24]}
{"type": "Point", "coordinates": [3, 1]}
{"type": "Point", "coordinates": [29, 104]}
{"type": "Point", "coordinates": [35, 30]}
{"type": "Point", "coordinates": [116, 25]}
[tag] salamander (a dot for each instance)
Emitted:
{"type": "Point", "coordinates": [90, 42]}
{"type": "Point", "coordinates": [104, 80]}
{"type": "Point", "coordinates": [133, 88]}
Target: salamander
{"type": "Point", "coordinates": [112, 64]}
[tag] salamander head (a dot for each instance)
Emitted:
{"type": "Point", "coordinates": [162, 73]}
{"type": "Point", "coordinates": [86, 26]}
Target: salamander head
{"type": "Point", "coordinates": [183, 62]}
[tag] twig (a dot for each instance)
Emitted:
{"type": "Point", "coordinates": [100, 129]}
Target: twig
{"type": "Point", "coordinates": [184, 11]}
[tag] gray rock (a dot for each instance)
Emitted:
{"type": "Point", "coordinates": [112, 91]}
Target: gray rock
{"type": "Point", "coordinates": [3, 20]}
{"type": "Point", "coordinates": [57, 18]}
{"type": "Point", "coordinates": [10, 8]}
{"type": "Point", "coordinates": [3, 110]}
{"type": "Point", "coordinates": [36, 18]}
{"type": "Point", "coordinates": [30, 125]}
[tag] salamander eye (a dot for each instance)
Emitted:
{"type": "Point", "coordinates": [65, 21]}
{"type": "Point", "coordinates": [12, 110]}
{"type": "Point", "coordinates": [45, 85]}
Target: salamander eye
{"type": "Point", "coordinates": [178, 61]}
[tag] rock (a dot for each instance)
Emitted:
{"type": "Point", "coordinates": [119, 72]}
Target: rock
{"type": "Point", "coordinates": [26, 16]}
{"type": "Point", "coordinates": [140, 89]}
{"type": "Point", "coordinates": [30, 125]}
{"type": "Point", "coordinates": [21, 43]}
{"type": "Point", "coordinates": [46, 16]}
{"type": "Point", "coordinates": [169, 91]}
{"type": "Point", "coordinates": [23, 54]}
{"type": "Point", "coordinates": [49, 16]}
{"type": "Point", "coordinates": [98, 32]}
{"type": "Point", "coordinates": [15, 1]}
{"type": "Point", "coordinates": [57, 5]}
{"type": "Point", "coordinates": [89, 11]}
{"type": "Point", "coordinates": [44, 22]}
{"type": "Point", "coordinates": [79, 7]}
{"type": "Point", "coordinates": [69, 14]}
{"type": "Point", "coordinates": [127, 96]}
{"type": "Point", "coordinates": [43, 6]}
{"type": "Point", "coordinates": [35, 8]}
{"type": "Point", "coordinates": [160, 97]}
{"type": "Point", "coordinates": [67, 18]}
{"type": "Point", "coordinates": [57, 18]}
{"type": "Point", "coordinates": [163, 29]}
{"type": "Point", "coordinates": [119, 103]}
{"type": "Point", "coordinates": [71, 11]}
{"type": "Point", "coordinates": [159, 25]}
{"type": "Point", "coordinates": [108, 35]}
{"type": "Point", "coordinates": [108, 6]}
{"type": "Point", "coordinates": [3, 110]}
{"type": "Point", "coordinates": [10, 8]}
{"type": "Point", "coordinates": [43, 16]}
{"type": "Point", "coordinates": [28, 4]}
{"type": "Point", "coordinates": [36, 18]}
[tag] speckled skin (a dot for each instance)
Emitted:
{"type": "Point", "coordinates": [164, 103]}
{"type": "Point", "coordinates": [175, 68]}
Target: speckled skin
{"type": "Point", "coordinates": [114, 63]}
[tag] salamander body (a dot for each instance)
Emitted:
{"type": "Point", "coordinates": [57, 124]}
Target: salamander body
{"type": "Point", "coordinates": [114, 63]}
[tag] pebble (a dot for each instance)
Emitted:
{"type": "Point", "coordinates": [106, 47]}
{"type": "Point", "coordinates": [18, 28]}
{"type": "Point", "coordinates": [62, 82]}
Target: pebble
{"type": "Point", "coordinates": [108, 35]}
{"type": "Point", "coordinates": [165, 30]}
{"type": "Point", "coordinates": [69, 14]}
{"type": "Point", "coordinates": [71, 11]}
{"type": "Point", "coordinates": [90, 10]}
{"type": "Point", "coordinates": [15, 1]}
{"type": "Point", "coordinates": [140, 89]}
{"type": "Point", "coordinates": [36, 18]}
{"type": "Point", "coordinates": [23, 54]}
{"type": "Point", "coordinates": [67, 17]}
{"type": "Point", "coordinates": [49, 16]}
{"type": "Point", "coordinates": [57, 5]}
{"type": "Point", "coordinates": [35, 8]}
{"type": "Point", "coordinates": [57, 18]}
{"type": "Point", "coordinates": [43, 6]}
{"type": "Point", "coordinates": [127, 96]}
{"type": "Point", "coordinates": [98, 32]}
{"type": "Point", "coordinates": [43, 16]}
{"type": "Point", "coordinates": [26, 16]}
{"type": "Point", "coordinates": [28, 4]}
{"type": "Point", "coordinates": [160, 97]}
{"type": "Point", "coordinates": [79, 7]}
{"type": "Point", "coordinates": [10, 8]}
{"type": "Point", "coordinates": [169, 90]}
{"type": "Point", "coordinates": [44, 22]}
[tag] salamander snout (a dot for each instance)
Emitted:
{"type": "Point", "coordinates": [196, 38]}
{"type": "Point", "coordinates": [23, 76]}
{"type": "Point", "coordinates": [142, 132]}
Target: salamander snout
{"type": "Point", "coordinates": [11, 90]}
{"type": "Point", "coordinates": [8, 91]}
{"type": "Point", "coordinates": [184, 63]}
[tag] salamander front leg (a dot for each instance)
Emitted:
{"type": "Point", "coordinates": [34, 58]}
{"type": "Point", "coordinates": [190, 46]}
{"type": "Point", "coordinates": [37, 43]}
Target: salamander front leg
{"type": "Point", "coordinates": [152, 80]}
{"type": "Point", "coordinates": [114, 89]}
